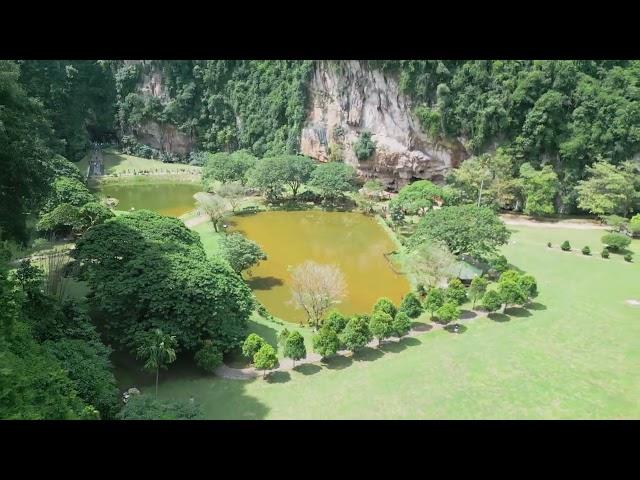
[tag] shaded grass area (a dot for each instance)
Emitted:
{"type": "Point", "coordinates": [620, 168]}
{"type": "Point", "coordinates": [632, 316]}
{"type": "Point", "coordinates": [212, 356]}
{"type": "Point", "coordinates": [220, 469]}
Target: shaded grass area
{"type": "Point", "coordinates": [118, 163]}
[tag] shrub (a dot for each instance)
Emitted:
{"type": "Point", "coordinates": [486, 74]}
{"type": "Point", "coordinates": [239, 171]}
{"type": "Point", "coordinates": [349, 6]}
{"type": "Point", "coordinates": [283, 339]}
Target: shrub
{"type": "Point", "coordinates": [549, 244]}
{"type": "Point", "coordinates": [566, 246]}
{"type": "Point", "coordinates": [456, 292]}
{"type": "Point", "coordinates": [209, 357]}
{"type": "Point", "coordinates": [586, 251]}
{"type": "Point", "coordinates": [616, 241]}
{"type": "Point", "coordinates": [604, 253]}
{"type": "Point", "coordinates": [364, 147]}
{"type": "Point", "coordinates": [628, 257]}
{"type": "Point", "coordinates": [411, 305]}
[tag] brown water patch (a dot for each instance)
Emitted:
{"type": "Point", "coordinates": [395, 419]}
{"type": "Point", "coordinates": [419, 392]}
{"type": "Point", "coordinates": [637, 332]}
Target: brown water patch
{"type": "Point", "coordinates": [352, 241]}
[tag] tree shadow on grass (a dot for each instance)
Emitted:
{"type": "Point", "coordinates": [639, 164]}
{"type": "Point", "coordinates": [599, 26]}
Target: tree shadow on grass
{"type": "Point", "coordinates": [421, 327]}
{"type": "Point", "coordinates": [499, 317]}
{"type": "Point", "coordinates": [278, 377]}
{"type": "Point", "coordinates": [467, 314]}
{"type": "Point", "coordinates": [411, 341]}
{"type": "Point", "coordinates": [393, 347]}
{"type": "Point", "coordinates": [518, 312]}
{"type": "Point", "coordinates": [263, 283]}
{"type": "Point", "coordinates": [536, 306]}
{"type": "Point", "coordinates": [308, 368]}
{"type": "Point", "coordinates": [240, 406]}
{"type": "Point", "coordinates": [368, 354]}
{"type": "Point", "coordinates": [337, 362]}
{"type": "Point", "coordinates": [455, 328]}
{"type": "Point", "coordinates": [269, 334]}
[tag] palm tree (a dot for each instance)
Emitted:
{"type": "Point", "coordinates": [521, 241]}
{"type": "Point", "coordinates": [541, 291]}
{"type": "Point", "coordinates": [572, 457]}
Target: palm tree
{"type": "Point", "coordinates": [157, 350]}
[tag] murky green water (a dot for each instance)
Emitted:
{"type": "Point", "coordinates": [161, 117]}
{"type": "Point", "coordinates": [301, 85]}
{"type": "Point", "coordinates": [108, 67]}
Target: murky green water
{"type": "Point", "coordinates": [171, 199]}
{"type": "Point", "coordinates": [352, 241]}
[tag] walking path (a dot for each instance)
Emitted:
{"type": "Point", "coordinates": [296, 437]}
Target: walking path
{"type": "Point", "coordinates": [574, 223]}
{"type": "Point", "coordinates": [284, 364]}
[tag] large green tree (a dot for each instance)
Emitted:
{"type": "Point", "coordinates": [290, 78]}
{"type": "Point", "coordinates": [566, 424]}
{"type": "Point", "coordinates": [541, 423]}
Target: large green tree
{"type": "Point", "coordinates": [147, 271]}
{"type": "Point", "coordinates": [465, 229]}
{"type": "Point", "coordinates": [333, 179]}
{"type": "Point", "coordinates": [610, 189]}
{"type": "Point", "coordinates": [240, 252]}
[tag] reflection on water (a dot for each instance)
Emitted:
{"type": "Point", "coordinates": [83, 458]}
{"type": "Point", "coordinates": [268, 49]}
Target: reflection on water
{"type": "Point", "coordinates": [354, 242]}
{"type": "Point", "coordinates": [171, 199]}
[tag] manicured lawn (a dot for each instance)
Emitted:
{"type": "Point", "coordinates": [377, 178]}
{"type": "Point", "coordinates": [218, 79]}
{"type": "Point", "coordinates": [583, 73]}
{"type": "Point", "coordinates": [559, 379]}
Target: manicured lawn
{"type": "Point", "coordinates": [574, 354]}
{"type": "Point", "coordinates": [116, 163]}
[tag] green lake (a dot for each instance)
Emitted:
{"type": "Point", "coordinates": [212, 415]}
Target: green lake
{"type": "Point", "coordinates": [356, 243]}
{"type": "Point", "coordinates": [171, 199]}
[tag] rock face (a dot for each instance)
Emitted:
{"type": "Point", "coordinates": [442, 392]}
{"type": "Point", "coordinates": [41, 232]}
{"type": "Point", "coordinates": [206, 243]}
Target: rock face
{"type": "Point", "coordinates": [166, 138]}
{"type": "Point", "coordinates": [347, 98]}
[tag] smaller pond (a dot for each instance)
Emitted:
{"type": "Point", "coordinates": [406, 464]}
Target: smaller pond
{"type": "Point", "coordinates": [171, 199]}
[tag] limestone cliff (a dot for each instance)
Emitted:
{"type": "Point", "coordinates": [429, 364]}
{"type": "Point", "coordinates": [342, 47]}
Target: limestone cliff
{"type": "Point", "coordinates": [350, 96]}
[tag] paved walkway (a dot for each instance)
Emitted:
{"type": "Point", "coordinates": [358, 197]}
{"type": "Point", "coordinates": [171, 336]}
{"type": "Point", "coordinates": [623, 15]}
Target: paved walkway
{"type": "Point", "coordinates": [249, 373]}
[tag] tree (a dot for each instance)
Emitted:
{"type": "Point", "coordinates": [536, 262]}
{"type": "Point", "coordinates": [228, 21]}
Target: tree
{"type": "Point", "coordinates": [68, 190]}
{"type": "Point", "coordinates": [232, 192]}
{"type": "Point", "coordinates": [93, 213]}
{"type": "Point", "coordinates": [294, 347]}
{"type": "Point", "coordinates": [296, 170]}
{"type": "Point", "coordinates": [511, 293]}
{"type": "Point", "coordinates": [144, 407]}
{"type": "Point", "coordinates": [401, 324]}
{"type": "Point", "coordinates": [616, 241]}
{"type": "Point", "coordinates": [586, 250]}
{"type": "Point", "coordinates": [609, 188]}
{"type": "Point", "coordinates": [212, 205]}
{"type": "Point", "coordinates": [364, 146]}
{"type": "Point", "coordinates": [224, 167]}
{"type": "Point", "coordinates": [455, 292]}
{"type": "Point", "coordinates": [434, 300]}
{"type": "Point", "coordinates": [265, 358]}
{"type": "Point", "coordinates": [335, 321]}
{"type": "Point", "coordinates": [146, 271]}
{"type": "Point", "coordinates": [356, 334]}
{"type": "Point", "coordinates": [240, 252]}
{"type": "Point", "coordinates": [252, 344]}
{"type": "Point", "coordinates": [316, 288]}
{"type": "Point", "coordinates": [418, 197]}
{"type": "Point", "coordinates": [282, 337]}
{"type": "Point", "coordinates": [528, 285]}
{"type": "Point", "coordinates": [431, 263]}
{"type": "Point", "coordinates": [157, 349]}
{"type": "Point", "coordinates": [333, 179]}
{"type": "Point", "coordinates": [385, 305]}
{"type": "Point", "coordinates": [326, 342]}
{"type": "Point", "coordinates": [87, 364]}
{"type": "Point", "coordinates": [381, 325]}
{"type": "Point", "coordinates": [209, 357]}
{"type": "Point", "coordinates": [477, 289]}
{"type": "Point", "coordinates": [465, 229]}
{"type": "Point", "coordinates": [565, 246]}
{"type": "Point", "coordinates": [62, 220]}
{"type": "Point", "coordinates": [268, 178]}
{"type": "Point", "coordinates": [634, 225]}
{"type": "Point", "coordinates": [486, 180]}
{"type": "Point", "coordinates": [410, 305]}
{"type": "Point", "coordinates": [448, 312]}
{"type": "Point", "coordinates": [540, 188]}
{"type": "Point", "coordinates": [492, 301]}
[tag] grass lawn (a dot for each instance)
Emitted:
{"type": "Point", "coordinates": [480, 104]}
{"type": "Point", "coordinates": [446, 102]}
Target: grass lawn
{"type": "Point", "coordinates": [116, 163]}
{"type": "Point", "coordinates": [574, 354]}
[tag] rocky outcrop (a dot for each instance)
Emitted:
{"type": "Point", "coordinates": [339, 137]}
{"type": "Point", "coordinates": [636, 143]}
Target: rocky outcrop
{"type": "Point", "coordinates": [165, 137]}
{"type": "Point", "coordinates": [347, 98]}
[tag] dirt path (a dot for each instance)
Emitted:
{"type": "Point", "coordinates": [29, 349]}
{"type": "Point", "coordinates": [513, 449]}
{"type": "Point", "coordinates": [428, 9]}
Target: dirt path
{"type": "Point", "coordinates": [249, 373]}
{"type": "Point", "coordinates": [200, 219]}
{"type": "Point", "coordinates": [575, 223]}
